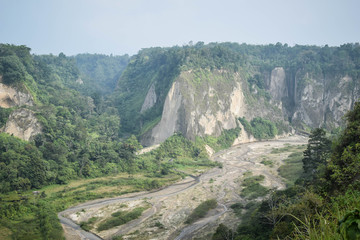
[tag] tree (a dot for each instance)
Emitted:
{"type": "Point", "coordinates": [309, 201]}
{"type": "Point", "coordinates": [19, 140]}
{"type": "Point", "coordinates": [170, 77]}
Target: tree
{"type": "Point", "coordinates": [344, 166]}
{"type": "Point", "coordinates": [12, 69]}
{"type": "Point", "coordinates": [223, 233]}
{"type": "Point", "coordinates": [127, 153]}
{"type": "Point", "coordinates": [316, 153]}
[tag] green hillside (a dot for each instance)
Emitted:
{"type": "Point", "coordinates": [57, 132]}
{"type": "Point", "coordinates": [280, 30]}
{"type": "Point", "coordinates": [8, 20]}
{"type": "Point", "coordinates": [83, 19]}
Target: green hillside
{"type": "Point", "coordinates": [99, 73]}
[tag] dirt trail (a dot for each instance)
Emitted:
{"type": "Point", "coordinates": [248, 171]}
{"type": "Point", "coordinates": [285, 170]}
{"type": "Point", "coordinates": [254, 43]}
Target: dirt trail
{"type": "Point", "coordinates": [171, 205]}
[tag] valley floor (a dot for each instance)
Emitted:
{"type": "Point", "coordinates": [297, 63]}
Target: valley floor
{"type": "Point", "coordinates": [168, 208]}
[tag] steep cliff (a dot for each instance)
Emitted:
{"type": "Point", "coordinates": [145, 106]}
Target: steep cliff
{"type": "Point", "coordinates": [318, 101]}
{"type": "Point", "coordinates": [205, 102]}
{"type": "Point", "coordinates": [11, 97]}
{"type": "Point", "coordinates": [23, 124]}
{"type": "Point", "coordinates": [150, 99]}
{"type": "Point", "coordinates": [202, 89]}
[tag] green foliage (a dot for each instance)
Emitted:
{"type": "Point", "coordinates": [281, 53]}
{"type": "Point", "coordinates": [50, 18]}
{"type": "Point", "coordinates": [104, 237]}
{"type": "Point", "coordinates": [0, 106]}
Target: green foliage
{"type": "Point", "coordinates": [237, 207]}
{"type": "Point", "coordinates": [263, 129]}
{"type": "Point", "coordinates": [15, 62]}
{"type": "Point", "coordinates": [12, 70]}
{"type": "Point", "coordinates": [260, 128]}
{"type": "Point", "coordinates": [223, 232]}
{"type": "Point", "coordinates": [257, 80]}
{"type": "Point", "coordinates": [99, 73]}
{"type": "Point", "coordinates": [30, 220]}
{"type": "Point", "coordinates": [268, 163]}
{"type": "Point", "coordinates": [254, 224]}
{"type": "Point", "coordinates": [177, 146]}
{"type": "Point", "coordinates": [201, 210]}
{"type": "Point", "coordinates": [349, 226]}
{"type": "Point", "coordinates": [88, 225]}
{"type": "Point", "coordinates": [21, 165]}
{"type": "Point", "coordinates": [344, 166]}
{"type": "Point", "coordinates": [120, 218]}
{"type": "Point", "coordinates": [76, 141]}
{"type": "Point", "coordinates": [4, 114]}
{"type": "Point", "coordinates": [316, 153]}
{"type": "Point", "coordinates": [252, 187]}
{"type": "Point", "coordinates": [293, 167]}
{"type": "Point", "coordinates": [225, 140]}
{"type": "Point", "coordinates": [247, 126]}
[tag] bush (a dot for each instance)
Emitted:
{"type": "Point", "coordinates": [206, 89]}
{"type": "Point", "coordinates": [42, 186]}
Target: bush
{"type": "Point", "coordinates": [201, 210]}
{"type": "Point", "coordinates": [260, 128]}
{"type": "Point", "coordinates": [253, 189]}
{"type": "Point", "coordinates": [225, 140]}
{"type": "Point", "coordinates": [12, 69]}
{"type": "Point", "coordinates": [120, 218]}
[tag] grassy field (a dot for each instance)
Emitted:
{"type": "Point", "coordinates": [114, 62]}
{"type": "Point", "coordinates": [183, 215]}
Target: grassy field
{"type": "Point", "coordinates": [293, 165]}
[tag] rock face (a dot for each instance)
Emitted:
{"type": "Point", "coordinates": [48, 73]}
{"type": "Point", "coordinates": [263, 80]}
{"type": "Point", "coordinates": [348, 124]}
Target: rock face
{"type": "Point", "coordinates": [169, 120]}
{"type": "Point", "coordinates": [150, 99]}
{"type": "Point", "coordinates": [203, 102]}
{"type": "Point", "coordinates": [322, 102]}
{"type": "Point", "coordinates": [10, 97]}
{"type": "Point", "coordinates": [277, 86]}
{"type": "Point", "coordinates": [206, 107]}
{"type": "Point", "coordinates": [23, 124]}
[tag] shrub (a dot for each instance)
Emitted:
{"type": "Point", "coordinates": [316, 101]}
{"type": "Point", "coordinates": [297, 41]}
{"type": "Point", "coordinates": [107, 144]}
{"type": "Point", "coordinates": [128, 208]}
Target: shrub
{"type": "Point", "coordinates": [201, 210]}
{"type": "Point", "coordinates": [120, 218]}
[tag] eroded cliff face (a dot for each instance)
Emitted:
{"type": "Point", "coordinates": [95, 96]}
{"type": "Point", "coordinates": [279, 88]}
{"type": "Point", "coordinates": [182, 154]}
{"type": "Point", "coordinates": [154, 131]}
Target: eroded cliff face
{"type": "Point", "coordinates": [205, 102]}
{"type": "Point", "coordinates": [11, 97]}
{"type": "Point", "coordinates": [169, 123]}
{"type": "Point", "coordinates": [277, 85]}
{"type": "Point", "coordinates": [150, 99]}
{"type": "Point", "coordinates": [23, 124]}
{"type": "Point", "coordinates": [317, 101]}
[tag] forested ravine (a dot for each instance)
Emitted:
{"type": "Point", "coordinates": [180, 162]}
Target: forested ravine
{"type": "Point", "coordinates": [169, 207]}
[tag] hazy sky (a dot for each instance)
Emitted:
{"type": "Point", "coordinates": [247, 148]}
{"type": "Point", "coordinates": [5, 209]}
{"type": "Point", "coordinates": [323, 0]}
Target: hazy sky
{"type": "Point", "coordinates": [126, 26]}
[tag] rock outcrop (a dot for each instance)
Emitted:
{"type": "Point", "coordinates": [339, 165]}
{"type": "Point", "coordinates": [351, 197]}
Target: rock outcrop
{"type": "Point", "coordinates": [150, 99]}
{"type": "Point", "coordinates": [206, 107]}
{"type": "Point", "coordinates": [23, 124]}
{"type": "Point", "coordinates": [10, 97]}
{"type": "Point", "coordinates": [317, 101]}
{"type": "Point", "coordinates": [277, 85]}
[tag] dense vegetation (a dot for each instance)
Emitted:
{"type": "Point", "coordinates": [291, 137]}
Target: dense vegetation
{"type": "Point", "coordinates": [323, 204]}
{"type": "Point", "coordinates": [99, 73]}
{"type": "Point", "coordinates": [260, 128]}
{"type": "Point", "coordinates": [225, 140]}
{"type": "Point", "coordinates": [120, 218]}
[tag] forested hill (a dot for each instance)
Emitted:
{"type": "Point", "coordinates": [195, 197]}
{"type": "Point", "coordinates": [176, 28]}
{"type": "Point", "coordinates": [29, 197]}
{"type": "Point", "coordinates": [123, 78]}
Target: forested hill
{"type": "Point", "coordinates": [79, 130]}
{"type": "Point", "coordinates": [99, 73]}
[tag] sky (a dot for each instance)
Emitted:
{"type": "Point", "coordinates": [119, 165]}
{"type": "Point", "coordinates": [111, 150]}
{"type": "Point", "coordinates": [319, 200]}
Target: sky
{"type": "Point", "coordinates": [126, 26]}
